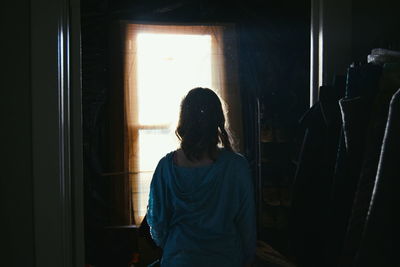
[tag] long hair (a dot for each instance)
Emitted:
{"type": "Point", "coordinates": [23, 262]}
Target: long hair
{"type": "Point", "coordinates": [201, 125]}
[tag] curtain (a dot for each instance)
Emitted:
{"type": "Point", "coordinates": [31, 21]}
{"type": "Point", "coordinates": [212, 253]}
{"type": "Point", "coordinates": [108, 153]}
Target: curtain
{"type": "Point", "coordinates": [224, 80]}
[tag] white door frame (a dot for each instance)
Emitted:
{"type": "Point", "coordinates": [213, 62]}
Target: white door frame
{"type": "Point", "coordinates": [330, 42]}
{"type": "Point", "coordinates": [57, 133]}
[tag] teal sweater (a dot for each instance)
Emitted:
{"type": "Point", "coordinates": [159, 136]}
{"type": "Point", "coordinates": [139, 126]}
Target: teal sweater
{"type": "Point", "coordinates": [203, 216]}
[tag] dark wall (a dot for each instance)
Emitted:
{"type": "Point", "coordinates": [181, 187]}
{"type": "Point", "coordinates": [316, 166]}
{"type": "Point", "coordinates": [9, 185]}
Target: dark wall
{"type": "Point", "coordinates": [374, 25]}
{"type": "Point", "coordinates": [17, 232]}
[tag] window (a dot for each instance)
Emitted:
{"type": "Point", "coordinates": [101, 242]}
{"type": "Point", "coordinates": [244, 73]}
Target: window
{"type": "Point", "coordinates": [161, 64]}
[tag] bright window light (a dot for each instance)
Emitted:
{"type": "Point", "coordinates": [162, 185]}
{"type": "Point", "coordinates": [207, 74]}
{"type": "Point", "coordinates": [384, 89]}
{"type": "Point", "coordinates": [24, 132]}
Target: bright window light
{"type": "Point", "coordinates": [168, 65]}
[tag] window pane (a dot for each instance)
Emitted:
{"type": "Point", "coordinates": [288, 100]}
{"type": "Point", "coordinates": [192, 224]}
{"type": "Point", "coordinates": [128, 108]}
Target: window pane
{"type": "Point", "coordinates": [140, 193]}
{"type": "Point", "coordinates": [168, 66]}
{"type": "Point", "coordinates": [153, 145]}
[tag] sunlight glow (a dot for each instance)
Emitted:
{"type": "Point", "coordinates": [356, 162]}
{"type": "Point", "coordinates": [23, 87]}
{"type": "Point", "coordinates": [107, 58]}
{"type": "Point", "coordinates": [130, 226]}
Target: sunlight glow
{"type": "Point", "coordinates": [168, 66]}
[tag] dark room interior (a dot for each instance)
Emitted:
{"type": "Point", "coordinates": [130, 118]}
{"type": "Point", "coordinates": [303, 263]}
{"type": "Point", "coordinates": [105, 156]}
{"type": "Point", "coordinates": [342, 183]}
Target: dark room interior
{"type": "Point", "coordinates": [312, 88]}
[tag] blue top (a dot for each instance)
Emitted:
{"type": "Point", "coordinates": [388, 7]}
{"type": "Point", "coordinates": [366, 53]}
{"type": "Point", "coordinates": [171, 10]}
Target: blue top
{"type": "Point", "coordinates": [203, 216]}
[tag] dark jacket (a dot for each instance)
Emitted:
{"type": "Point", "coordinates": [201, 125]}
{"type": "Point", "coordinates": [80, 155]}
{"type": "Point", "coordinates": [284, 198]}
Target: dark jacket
{"type": "Point", "coordinates": [361, 89]}
{"type": "Point", "coordinates": [313, 181]}
{"type": "Point", "coordinates": [377, 245]}
{"type": "Point", "coordinates": [390, 81]}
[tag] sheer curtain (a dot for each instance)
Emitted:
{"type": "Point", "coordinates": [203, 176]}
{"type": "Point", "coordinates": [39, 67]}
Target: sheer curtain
{"type": "Point", "coordinates": [153, 89]}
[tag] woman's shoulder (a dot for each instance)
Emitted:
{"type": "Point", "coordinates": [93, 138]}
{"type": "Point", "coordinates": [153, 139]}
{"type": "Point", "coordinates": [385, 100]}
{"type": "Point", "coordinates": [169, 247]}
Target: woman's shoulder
{"type": "Point", "coordinates": [235, 157]}
{"type": "Point", "coordinates": [226, 156]}
{"type": "Point", "coordinates": [237, 168]}
{"type": "Point", "coordinates": [165, 159]}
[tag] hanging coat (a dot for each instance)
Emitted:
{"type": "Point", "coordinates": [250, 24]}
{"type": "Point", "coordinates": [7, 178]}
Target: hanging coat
{"type": "Point", "coordinates": [379, 235]}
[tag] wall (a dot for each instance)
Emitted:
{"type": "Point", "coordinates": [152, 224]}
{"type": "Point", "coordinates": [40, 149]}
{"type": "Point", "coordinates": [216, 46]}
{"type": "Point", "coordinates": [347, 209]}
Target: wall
{"type": "Point", "coordinates": [374, 24]}
{"type": "Point", "coordinates": [16, 189]}
{"type": "Point", "coordinates": [349, 30]}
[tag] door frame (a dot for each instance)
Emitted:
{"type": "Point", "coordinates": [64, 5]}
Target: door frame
{"type": "Point", "coordinates": [57, 133]}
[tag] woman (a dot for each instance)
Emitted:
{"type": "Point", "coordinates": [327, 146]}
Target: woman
{"type": "Point", "coordinates": [201, 205]}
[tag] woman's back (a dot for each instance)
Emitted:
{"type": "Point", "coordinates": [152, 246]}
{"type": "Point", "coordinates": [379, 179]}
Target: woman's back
{"type": "Point", "coordinates": [208, 211]}
{"type": "Point", "coordinates": [201, 208]}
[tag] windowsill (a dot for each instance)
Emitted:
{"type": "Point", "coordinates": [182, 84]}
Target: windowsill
{"type": "Point", "coordinates": [132, 226]}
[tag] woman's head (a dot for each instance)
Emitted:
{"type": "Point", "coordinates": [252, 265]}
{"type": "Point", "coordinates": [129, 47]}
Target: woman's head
{"type": "Point", "coordinates": [201, 124]}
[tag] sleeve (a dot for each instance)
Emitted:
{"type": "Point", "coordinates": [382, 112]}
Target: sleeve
{"type": "Point", "coordinates": [158, 213]}
{"type": "Point", "coordinates": [246, 217]}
